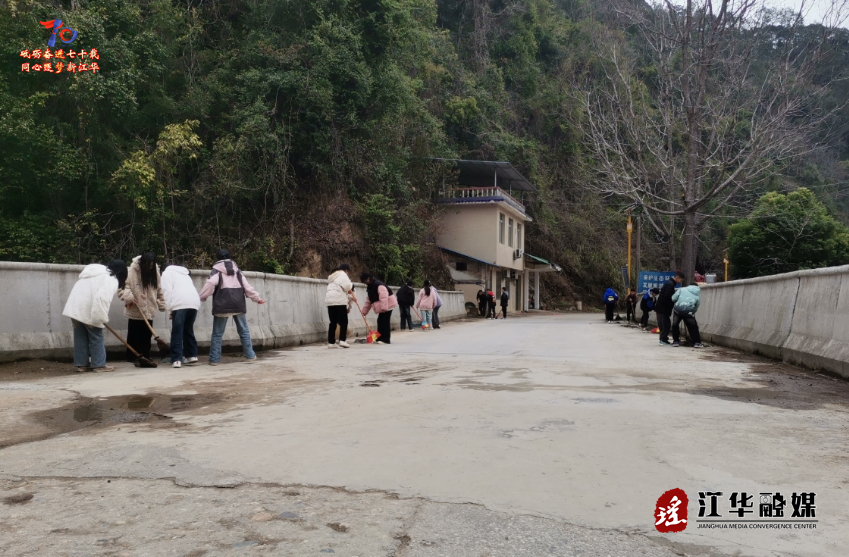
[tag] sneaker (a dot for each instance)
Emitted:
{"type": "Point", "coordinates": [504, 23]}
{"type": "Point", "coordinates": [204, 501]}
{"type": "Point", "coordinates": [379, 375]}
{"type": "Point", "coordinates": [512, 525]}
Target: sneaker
{"type": "Point", "coordinates": [213, 363]}
{"type": "Point", "coordinates": [664, 343]}
{"type": "Point", "coordinates": [698, 345]}
{"type": "Point", "coordinates": [82, 369]}
{"type": "Point", "coordinates": [103, 369]}
{"type": "Point", "coordinates": [190, 361]}
{"type": "Point", "coordinates": [177, 364]}
{"type": "Point", "coordinates": [332, 346]}
{"type": "Point", "coordinates": [344, 344]}
{"type": "Point", "coordinates": [436, 327]}
{"type": "Point", "coordinates": [251, 360]}
{"type": "Point", "coordinates": [676, 345]}
{"type": "Point", "coordinates": [381, 342]}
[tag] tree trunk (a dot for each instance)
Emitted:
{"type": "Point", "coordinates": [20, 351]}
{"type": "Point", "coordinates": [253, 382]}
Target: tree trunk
{"type": "Point", "coordinates": [688, 249]}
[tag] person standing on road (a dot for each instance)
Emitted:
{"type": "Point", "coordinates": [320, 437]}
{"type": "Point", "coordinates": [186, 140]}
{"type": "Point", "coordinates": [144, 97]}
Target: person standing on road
{"type": "Point", "coordinates": [426, 301]}
{"type": "Point", "coordinates": [664, 306]}
{"type": "Point", "coordinates": [228, 289]}
{"type": "Point", "coordinates": [647, 306]}
{"type": "Point", "coordinates": [482, 305]}
{"type": "Point", "coordinates": [610, 298]}
{"type": "Point", "coordinates": [436, 308]}
{"type": "Point", "coordinates": [687, 302]}
{"type": "Point", "coordinates": [340, 294]}
{"type": "Point", "coordinates": [88, 308]}
{"type": "Point", "coordinates": [182, 304]}
{"type": "Point", "coordinates": [505, 299]}
{"type": "Point", "coordinates": [406, 299]}
{"type": "Point", "coordinates": [381, 299]}
{"type": "Point", "coordinates": [631, 304]}
{"type": "Point", "coordinates": [142, 295]}
{"type": "Point", "coordinates": [490, 304]}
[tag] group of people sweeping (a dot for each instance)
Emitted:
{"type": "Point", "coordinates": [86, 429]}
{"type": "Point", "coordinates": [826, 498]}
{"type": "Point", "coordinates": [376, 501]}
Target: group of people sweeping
{"type": "Point", "coordinates": [145, 290]}
{"type": "Point", "coordinates": [340, 299]}
{"type": "Point", "coordinates": [486, 303]}
{"type": "Point", "coordinates": [672, 305]}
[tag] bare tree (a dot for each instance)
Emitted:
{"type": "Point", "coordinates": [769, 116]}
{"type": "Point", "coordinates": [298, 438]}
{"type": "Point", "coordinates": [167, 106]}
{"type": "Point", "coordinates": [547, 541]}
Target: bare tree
{"type": "Point", "coordinates": [718, 95]}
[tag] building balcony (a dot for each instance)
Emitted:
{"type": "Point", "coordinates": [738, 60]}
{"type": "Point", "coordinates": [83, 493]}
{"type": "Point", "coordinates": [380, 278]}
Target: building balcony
{"type": "Point", "coordinates": [489, 194]}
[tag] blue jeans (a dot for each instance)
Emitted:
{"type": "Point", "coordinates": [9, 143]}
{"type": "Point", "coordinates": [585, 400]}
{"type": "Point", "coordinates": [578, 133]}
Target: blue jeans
{"type": "Point", "coordinates": [183, 341]}
{"type": "Point", "coordinates": [218, 326]}
{"type": "Point", "coordinates": [88, 343]}
{"type": "Point", "coordinates": [427, 317]}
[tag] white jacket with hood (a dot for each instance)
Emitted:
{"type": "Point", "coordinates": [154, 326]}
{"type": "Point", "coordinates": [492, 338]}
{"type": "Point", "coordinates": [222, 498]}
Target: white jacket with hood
{"type": "Point", "coordinates": [91, 296]}
{"type": "Point", "coordinates": [178, 289]}
{"type": "Point", "coordinates": [337, 289]}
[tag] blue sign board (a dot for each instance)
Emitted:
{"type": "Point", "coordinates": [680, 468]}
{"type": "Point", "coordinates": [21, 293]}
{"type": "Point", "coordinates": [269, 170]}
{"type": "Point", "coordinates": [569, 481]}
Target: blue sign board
{"type": "Point", "coordinates": [654, 279]}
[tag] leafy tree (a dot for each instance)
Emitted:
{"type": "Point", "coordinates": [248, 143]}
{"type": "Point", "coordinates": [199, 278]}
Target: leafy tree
{"type": "Point", "coordinates": [786, 233]}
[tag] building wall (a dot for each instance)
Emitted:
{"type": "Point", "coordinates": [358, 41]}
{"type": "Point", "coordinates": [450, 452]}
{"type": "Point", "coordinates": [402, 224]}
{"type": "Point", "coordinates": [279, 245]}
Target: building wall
{"type": "Point", "coordinates": [504, 252]}
{"type": "Point", "coordinates": [471, 229]}
{"type": "Point", "coordinates": [294, 312]}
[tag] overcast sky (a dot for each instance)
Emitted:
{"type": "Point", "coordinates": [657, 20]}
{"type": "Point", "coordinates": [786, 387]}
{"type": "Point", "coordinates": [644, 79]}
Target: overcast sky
{"type": "Point", "coordinates": [815, 9]}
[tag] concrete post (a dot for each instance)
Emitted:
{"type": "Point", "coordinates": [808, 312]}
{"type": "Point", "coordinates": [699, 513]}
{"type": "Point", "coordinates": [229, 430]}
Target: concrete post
{"type": "Point", "coordinates": [526, 287]}
{"type": "Point", "coordinates": [536, 290]}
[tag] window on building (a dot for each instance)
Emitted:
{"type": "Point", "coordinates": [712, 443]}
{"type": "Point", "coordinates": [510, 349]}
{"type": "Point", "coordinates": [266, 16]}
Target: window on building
{"type": "Point", "coordinates": [510, 233]}
{"type": "Point", "coordinates": [518, 236]}
{"type": "Point", "coordinates": [500, 228]}
{"type": "Point", "coordinates": [461, 266]}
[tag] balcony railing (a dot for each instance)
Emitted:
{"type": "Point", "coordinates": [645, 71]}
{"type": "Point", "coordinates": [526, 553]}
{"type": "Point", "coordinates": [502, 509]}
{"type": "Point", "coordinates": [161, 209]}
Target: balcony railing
{"type": "Point", "coordinates": [481, 195]}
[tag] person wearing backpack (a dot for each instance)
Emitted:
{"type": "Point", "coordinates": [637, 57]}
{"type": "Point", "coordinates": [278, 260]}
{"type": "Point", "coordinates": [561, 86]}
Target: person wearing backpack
{"type": "Point", "coordinates": [228, 289]}
{"type": "Point", "coordinates": [647, 306]}
{"type": "Point", "coordinates": [490, 304]}
{"type": "Point", "coordinates": [610, 298]}
{"type": "Point", "coordinates": [340, 294]}
{"type": "Point", "coordinates": [382, 301]}
{"type": "Point", "coordinates": [406, 299]}
{"type": "Point", "coordinates": [687, 302]}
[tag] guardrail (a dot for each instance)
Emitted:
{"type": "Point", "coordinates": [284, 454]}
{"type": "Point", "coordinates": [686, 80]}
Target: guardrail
{"type": "Point", "coordinates": [482, 194]}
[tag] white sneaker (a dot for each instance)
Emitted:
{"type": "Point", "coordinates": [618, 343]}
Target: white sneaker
{"type": "Point", "coordinates": [190, 361]}
{"type": "Point", "coordinates": [344, 344]}
{"type": "Point", "coordinates": [177, 364]}
{"type": "Point", "coordinates": [332, 346]}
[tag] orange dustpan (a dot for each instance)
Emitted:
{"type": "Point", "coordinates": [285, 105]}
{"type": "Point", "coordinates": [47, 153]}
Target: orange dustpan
{"type": "Point", "coordinates": [372, 336]}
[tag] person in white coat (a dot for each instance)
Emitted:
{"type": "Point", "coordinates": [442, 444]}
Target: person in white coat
{"type": "Point", "coordinates": [88, 308]}
{"type": "Point", "coordinates": [182, 303]}
{"type": "Point", "coordinates": [340, 294]}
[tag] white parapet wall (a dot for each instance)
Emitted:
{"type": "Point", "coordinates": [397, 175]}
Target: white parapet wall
{"type": "Point", "coordinates": [801, 318]}
{"type": "Point", "coordinates": [34, 295]}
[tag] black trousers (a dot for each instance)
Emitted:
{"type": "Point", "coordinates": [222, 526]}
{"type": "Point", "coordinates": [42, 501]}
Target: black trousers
{"type": "Point", "coordinates": [406, 317]}
{"type": "Point", "coordinates": [482, 309]}
{"type": "Point", "coordinates": [384, 325]}
{"type": "Point", "coordinates": [644, 319]}
{"type": "Point", "coordinates": [504, 311]}
{"type": "Point", "coordinates": [608, 311]}
{"type": "Point", "coordinates": [338, 316]}
{"type": "Point", "coordinates": [690, 323]}
{"type": "Point", "coordinates": [491, 311]}
{"type": "Point", "coordinates": [435, 318]}
{"type": "Point", "coordinates": [631, 309]}
{"type": "Point", "coordinates": [664, 322]}
{"type": "Point", "coordinates": [138, 336]}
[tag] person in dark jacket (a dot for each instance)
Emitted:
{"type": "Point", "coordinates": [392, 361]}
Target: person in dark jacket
{"type": "Point", "coordinates": [482, 305]}
{"type": "Point", "coordinates": [490, 304]}
{"type": "Point", "coordinates": [664, 306]}
{"type": "Point", "coordinates": [610, 298]}
{"type": "Point", "coordinates": [505, 299]}
{"type": "Point", "coordinates": [406, 298]}
{"type": "Point", "coordinates": [647, 306]}
{"type": "Point", "coordinates": [631, 304]}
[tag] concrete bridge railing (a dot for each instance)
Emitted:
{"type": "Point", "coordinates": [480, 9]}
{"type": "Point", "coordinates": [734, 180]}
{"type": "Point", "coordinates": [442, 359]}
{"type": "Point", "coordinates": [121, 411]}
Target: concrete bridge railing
{"type": "Point", "coordinates": [801, 318]}
{"type": "Point", "coordinates": [34, 295]}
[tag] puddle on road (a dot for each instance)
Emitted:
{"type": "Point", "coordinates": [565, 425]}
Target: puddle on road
{"type": "Point", "coordinates": [88, 412]}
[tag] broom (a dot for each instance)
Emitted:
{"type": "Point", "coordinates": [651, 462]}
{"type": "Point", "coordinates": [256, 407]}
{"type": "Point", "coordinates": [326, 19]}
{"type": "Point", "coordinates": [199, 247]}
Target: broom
{"type": "Point", "coordinates": [164, 349]}
{"type": "Point", "coordinates": [143, 362]}
{"type": "Point", "coordinates": [372, 335]}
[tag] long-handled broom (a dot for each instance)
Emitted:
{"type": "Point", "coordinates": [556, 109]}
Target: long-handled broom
{"type": "Point", "coordinates": [372, 335]}
{"type": "Point", "coordinates": [164, 349]}
{"type": "Point", "coordinates": [143, 362]}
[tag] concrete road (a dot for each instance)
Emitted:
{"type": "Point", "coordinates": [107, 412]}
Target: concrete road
{"type": "Point", "coordinates": [544, 435]}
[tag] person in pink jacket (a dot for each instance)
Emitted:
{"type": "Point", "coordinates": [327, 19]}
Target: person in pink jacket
{"type": "Point", "coordinates": [382, 301]}
{"type": "Point", "coordinates": [228, 289]}
{"type": "Point", "coordinates": [426, 302]}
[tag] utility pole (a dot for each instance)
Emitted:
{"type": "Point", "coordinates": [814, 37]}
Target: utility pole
{"type": "Point", "coordinates": [725, 260]}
